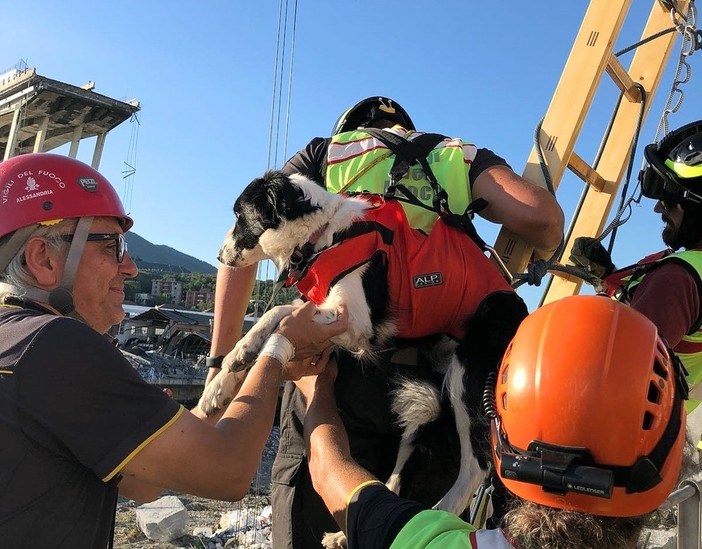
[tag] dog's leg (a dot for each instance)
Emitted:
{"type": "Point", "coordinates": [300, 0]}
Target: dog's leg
{"type": "Point", "coordinates": [366, 317]}
{"type": "Point", "coordinates": [223, 387]}
{"type": "Point", "coordinates": [470, 474]}
{"type": "Point", "coordinates": [415, 403]}
{"type": "Point", "coordinates": [220, 391]}
{"type": "Point", "coordinates": [247, 348]}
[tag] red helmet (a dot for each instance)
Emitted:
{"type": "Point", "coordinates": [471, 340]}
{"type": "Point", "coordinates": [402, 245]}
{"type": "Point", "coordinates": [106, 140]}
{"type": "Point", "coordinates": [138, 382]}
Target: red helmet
{"type": "Point", "coordinates": [41, 187]}
{"type": "Point", "coordinates": [589, 410]}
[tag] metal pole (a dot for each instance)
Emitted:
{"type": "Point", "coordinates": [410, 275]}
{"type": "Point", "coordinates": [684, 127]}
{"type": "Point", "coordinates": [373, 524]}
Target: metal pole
{"type": "Point", "coordinates": [689, 515]}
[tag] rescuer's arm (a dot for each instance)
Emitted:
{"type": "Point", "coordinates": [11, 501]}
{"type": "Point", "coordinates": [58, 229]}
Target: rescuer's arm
{"type": "Point", "coordinates": [522, 207]}
{"type": "Point", "coordinates": [232, 294]}
{"type": "Point", "coordinates": [335, 474]}
{"type": "Point", "coordinates": [140, 492]}
{"type": "Point", "coordinates": [219, 461]}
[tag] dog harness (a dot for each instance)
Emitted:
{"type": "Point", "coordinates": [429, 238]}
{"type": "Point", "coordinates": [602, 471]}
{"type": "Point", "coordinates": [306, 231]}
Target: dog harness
{"type": "Point", "coordinates": [434, 281]}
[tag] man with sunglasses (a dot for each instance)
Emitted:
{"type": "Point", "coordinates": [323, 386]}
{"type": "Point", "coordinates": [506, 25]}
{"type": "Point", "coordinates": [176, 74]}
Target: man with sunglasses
{"type": "Point", "coordinates": [78, 424]}
{"type": "Point", "coordinates": [666, 287]}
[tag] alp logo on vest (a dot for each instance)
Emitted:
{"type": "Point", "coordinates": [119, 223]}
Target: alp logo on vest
{"type": "Point", "coordinates": [426, 280]}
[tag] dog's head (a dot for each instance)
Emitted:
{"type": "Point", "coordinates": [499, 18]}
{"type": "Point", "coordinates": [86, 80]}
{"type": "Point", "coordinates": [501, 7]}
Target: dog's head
{"type": "Point", "coordinates": [265, 206]}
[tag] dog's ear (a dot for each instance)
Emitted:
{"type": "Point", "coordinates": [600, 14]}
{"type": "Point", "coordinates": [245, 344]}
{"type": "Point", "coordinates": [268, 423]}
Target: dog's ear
{"type": "Point", "coordinates": [272, 199]}
{"type": "Point", "coordinates": [291, 201]}
{"type": "Point", "coordinates": [263, 198]}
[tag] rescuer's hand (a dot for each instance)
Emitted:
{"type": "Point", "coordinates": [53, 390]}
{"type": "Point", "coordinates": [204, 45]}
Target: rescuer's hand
{"type": "Point", "coordinates": [591, 255]}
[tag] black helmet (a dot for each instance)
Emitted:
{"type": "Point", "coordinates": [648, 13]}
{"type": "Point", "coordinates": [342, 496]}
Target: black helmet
{"type": "Point", "coordinates": [370, 109]}
{"type": "Point", "coordinates": [674, 171]}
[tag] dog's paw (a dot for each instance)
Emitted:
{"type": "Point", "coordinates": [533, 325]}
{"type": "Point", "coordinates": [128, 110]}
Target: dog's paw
{"type": "Point", "coordinates": [336, 540]}
{"type": "Point", "coordinates": [220, 391]}
{"type": "Point", "coordinates": [245, 351]}
{"type": "Point", "coordinates": [238, 360]}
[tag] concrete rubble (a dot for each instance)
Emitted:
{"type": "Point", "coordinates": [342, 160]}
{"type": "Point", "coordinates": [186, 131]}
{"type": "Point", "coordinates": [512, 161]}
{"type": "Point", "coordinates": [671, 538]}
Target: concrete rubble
{"type": "Point", "coordinates": [163, 520]}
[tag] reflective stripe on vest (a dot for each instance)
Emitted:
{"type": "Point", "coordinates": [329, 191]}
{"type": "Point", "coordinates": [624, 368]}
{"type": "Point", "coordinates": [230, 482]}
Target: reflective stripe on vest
{"type": "Point", "coordinates": [689, 349]}
{"type": "Point", "coordinates": [356, 152]}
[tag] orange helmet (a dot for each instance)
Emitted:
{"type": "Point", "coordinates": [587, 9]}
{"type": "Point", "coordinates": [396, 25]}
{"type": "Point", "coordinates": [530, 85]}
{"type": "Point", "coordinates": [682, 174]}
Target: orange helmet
{"type": "Point", "coordinates": [588, 410]}
{"type": "Point", "coordinates": [40, 187]}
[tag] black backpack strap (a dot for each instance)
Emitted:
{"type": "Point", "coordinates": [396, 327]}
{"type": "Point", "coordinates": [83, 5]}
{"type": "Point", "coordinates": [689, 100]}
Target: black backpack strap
{"type": "Point", "coordinates": [464, 221]}
{"type": "Point", "coordinates": [417, 151]}
{"type": "Point", "coordinates": [408, 152]}
{"type": "Point", "coordinates": [412, 152]}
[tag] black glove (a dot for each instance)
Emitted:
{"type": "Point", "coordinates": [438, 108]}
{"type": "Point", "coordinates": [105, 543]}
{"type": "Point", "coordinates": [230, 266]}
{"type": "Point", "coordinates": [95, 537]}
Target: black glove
{"type": "Point", "coordinates": [591, 255]}
{"type": "Point", "coordinates": [536, 271]}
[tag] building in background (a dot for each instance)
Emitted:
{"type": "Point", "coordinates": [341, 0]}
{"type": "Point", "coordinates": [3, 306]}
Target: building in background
{"type": "Point", "coordinates": [201, 299]}
{"type": "Point", "coordinates": [171, 288]}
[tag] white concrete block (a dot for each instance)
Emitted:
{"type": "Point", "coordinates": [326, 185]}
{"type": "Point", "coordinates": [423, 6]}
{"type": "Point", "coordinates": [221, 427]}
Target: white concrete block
{"type": "Point", "coordinates": [163, 520]}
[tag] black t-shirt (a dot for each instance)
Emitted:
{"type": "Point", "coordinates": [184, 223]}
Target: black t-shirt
{"type": "Point", "coordinates": [376, 515]}
{"type": "Point", "coordinates": [311, 161]}
{"type": "Point", "coordinates": [72, 412]}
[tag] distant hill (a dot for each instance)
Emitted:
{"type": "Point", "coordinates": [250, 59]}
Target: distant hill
{"type": "Point", "coordinates": [164, 258]}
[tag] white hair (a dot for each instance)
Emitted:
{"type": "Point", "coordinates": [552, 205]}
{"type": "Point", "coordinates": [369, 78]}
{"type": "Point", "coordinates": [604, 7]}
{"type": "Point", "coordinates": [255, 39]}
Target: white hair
{"type": "Point", "coordinates": [16, 273]}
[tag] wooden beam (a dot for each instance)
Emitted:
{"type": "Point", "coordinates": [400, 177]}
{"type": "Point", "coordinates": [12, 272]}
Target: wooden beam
{"type": "Point", "coordinates": [621, 78]}
{"type": "Point", "coordinates": [566, 114]}
{"type": "Point", "coordinates": [585, 172]}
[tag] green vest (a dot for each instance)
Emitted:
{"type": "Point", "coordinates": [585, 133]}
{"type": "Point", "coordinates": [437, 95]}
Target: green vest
{"type": "Point", "coordinates": [689, 350]}
{"type": "Point", "coordinates": [434, 529]}
{"type": "Point", "coordinates": [356, 161]}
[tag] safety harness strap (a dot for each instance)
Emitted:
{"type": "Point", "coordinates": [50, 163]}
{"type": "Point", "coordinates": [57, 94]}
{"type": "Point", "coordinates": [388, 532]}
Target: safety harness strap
{"type": "Point", "coordinates": [416, 151]}
{"type": "Point", "coordinates": [412, 152]}
{"type": "Point", "coordinates": [645, 473]}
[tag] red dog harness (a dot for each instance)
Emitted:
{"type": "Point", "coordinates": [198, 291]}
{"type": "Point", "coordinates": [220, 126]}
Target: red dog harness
{"type": "Point", "coordinates": [435, 281]}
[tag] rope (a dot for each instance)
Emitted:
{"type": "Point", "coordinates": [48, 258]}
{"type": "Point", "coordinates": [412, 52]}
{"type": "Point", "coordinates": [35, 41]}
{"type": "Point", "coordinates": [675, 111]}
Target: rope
{"type": "Point", "coordinates": [624, 203]}
{"type": "Point", "coordinates": [130, 163]}
{"type": "Point", "coordinates": [538, 269]}
{"type": "Point", "coordinates": [290, 81]}
{"type": "Point", "coordinates": [690, 43]}
{"type": "Point", "coordinates": [275, 81]}
{"type": "Point", "coordinates": [279, 123]}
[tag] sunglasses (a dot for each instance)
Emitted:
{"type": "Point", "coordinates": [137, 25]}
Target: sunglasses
{"type": "Point", "coordinates": [660, 183]}
{"type": "Point", "coordinates": [120, 242]}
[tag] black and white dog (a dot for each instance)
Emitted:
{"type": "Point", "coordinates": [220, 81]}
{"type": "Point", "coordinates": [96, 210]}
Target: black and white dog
{"type": "Point", "coordinates": [296, 223]}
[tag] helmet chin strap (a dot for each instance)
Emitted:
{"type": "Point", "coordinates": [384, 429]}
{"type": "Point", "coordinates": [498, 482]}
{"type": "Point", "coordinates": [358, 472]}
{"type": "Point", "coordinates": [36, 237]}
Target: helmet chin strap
{"type": "Point", "coordinates": [61, 298]}
{"type": "Point", "coordinates": [17, 240]}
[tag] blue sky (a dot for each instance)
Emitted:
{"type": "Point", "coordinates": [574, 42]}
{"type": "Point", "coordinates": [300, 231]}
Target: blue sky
{"type": "Point", "coordinates": [204, 76]}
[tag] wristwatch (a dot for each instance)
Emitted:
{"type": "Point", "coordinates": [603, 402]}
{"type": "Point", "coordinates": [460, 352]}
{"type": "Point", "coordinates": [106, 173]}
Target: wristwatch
{"type": "Point", "coordinates": [214, 361]}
